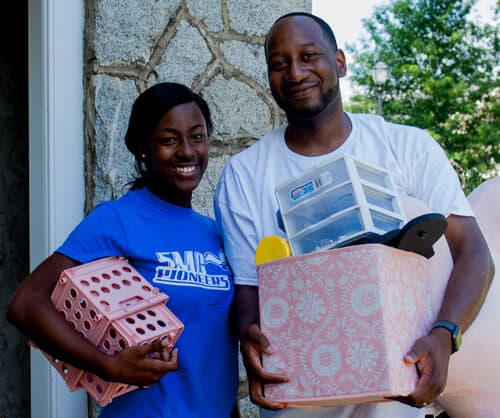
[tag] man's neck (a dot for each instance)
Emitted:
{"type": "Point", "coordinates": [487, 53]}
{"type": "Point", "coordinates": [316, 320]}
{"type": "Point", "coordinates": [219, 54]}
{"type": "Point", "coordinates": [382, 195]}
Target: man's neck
{"type": "Point", "coordinates": [319, 135]}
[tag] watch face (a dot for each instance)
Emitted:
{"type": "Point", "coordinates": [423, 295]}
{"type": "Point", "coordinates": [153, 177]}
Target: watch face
{"type": "Point", "coordinates": [457, 337]}
{"type": "Point", "coordinates": [456, 333]}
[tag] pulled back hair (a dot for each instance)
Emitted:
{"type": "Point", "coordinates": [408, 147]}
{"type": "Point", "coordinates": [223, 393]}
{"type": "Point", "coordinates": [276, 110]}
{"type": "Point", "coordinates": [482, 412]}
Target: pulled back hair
{"type": "Point", "coordinates": [147, 111]}
{"type": "Point", "coordinates": [325, 27]}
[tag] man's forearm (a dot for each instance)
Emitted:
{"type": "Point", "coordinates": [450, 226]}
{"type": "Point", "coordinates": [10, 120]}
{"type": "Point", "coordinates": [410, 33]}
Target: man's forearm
{"type": "Point", "coordinates": [471, 275]}
{"type": "Point", "coordinates": [246, 300]}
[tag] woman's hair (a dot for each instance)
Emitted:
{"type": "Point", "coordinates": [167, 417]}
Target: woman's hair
{"type": "Point", "coordinates": [147, 111]}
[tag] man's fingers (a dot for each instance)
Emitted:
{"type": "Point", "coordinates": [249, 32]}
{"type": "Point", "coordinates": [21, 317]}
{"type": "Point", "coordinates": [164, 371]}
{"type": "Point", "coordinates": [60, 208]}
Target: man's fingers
{"type": "Point", "coordinates": [408, 401]}
{"type": "Point", "coordinates": [264, 344]}
{"type": "Point", "coordinates": [253, 364]}
{"type": "Point", "coordinates": [251, 356]}
{"type": "Point", "coordinates": [403, 399]}
{"type": "Point", "coordinates": [257, 396]}
{"type": "Point", "coordinates": [428, 388]}
{"type": "Point", "coordinates": [268, 377]}
{"type": "Point", "coordinates": [432, 366]}
{"type": "Point", "coordinates": [416, 353]}
{"type": "Point", "coordinates": [253, 335]}
{"type": "Point", "coordinates": [254, 367]}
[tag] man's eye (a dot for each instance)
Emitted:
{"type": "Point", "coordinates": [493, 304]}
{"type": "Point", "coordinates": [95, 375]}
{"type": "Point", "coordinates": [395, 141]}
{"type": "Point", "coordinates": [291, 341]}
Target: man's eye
{"type": "Point", "coordinates": [309, 55]}
{"type": "Point", "coordinates": [278, 64]}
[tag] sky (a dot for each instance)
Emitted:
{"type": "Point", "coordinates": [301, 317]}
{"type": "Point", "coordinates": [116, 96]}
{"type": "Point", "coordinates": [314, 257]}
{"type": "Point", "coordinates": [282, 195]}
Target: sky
{"type": "Point", "coordinates": [345, 20]}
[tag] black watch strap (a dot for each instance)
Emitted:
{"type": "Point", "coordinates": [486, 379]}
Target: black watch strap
{"type": "Point", "coordinates": [456, 333]}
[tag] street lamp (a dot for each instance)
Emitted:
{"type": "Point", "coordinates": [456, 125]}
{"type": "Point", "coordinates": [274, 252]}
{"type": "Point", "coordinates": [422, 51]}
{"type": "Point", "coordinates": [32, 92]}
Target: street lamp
{"type": "Point", "coordinates": [379, 74]}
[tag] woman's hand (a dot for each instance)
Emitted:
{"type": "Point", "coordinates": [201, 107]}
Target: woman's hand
{"type": "Point", "coordinates": [142, 365]}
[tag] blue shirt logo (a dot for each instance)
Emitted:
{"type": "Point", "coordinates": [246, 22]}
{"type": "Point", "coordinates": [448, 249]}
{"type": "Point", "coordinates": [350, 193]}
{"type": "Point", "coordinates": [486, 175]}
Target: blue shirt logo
{"type": "Point", "coordinates": [193, 268]}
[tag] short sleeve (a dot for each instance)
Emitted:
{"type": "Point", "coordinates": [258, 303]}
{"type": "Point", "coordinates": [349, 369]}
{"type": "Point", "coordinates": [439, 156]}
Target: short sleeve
{"type": "Point", "coordinates": [236, 227]}
{"type": "Point", "coordinates": [437, 184]}
{"type": "Point", "coordinates": [99, 235]}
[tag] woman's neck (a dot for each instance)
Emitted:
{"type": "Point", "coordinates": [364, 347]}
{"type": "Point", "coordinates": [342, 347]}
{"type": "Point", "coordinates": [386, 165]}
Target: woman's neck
{"type": "Point", "coordinates": [178, 198]}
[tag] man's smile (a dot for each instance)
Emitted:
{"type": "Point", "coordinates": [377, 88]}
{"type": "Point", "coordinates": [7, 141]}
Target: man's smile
{"type": "Point", "coordinates": [301, 91]}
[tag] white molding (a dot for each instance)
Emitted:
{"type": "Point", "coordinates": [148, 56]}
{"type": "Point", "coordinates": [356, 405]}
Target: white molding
{"type": "Point", "coordinates": [56, 153]}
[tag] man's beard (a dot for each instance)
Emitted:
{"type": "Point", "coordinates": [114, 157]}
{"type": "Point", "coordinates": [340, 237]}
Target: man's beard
{"type": "Point", "coordinates": [310, 112]}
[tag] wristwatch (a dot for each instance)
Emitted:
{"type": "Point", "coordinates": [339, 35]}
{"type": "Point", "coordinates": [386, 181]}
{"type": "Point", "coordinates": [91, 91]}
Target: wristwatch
{"type": "Point", "coordinates": [456, 333]}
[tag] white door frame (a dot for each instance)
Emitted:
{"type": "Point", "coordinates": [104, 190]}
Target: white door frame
{"type": "Point", "coordinates": [56, 170]}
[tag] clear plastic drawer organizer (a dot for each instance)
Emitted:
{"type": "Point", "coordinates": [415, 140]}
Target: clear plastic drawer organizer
{"type": "Point", "coordinates": [338, 202]}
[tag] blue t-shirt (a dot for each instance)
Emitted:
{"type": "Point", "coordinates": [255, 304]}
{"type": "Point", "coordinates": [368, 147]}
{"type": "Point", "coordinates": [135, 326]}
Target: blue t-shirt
{"type": "Point", "coordinates": [178, 251]}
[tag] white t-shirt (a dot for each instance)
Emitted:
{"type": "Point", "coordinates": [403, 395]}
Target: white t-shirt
{"type": "Point", "coordinates": [246, 207]}
{"type": "Point", "coordinates": [245, 200]}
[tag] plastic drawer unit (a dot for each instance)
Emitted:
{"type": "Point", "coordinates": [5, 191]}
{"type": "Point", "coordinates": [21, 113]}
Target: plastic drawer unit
{"type": "Point", "coordinates": [338, 202]}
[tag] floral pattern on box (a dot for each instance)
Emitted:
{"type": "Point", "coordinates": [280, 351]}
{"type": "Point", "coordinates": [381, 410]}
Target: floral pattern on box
{"type": "Point", "coordinates": [341, 321]}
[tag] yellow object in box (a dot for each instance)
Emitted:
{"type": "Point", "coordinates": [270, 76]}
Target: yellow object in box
{"type": "Point", "coordinates": [272, 248]}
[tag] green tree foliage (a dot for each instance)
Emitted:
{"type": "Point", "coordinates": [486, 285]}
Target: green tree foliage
{"type": "Point", "coordinates": [443, 77]}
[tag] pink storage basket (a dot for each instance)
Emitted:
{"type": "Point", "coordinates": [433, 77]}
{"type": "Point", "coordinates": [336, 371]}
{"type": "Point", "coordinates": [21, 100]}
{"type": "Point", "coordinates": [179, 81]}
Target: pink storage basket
{"type": "Point", "coordinates": [113, 307]}
{"type": "Point", "coordinates": [340, 322]}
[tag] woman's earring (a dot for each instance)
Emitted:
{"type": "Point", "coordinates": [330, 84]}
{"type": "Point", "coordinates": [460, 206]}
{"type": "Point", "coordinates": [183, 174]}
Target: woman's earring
{"type": "Point", "coordinates": [143, 156]}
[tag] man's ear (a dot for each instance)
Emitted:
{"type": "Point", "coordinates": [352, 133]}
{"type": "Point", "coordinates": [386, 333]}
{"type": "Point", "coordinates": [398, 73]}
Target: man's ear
{"type": "Point", "coordinates": [341, 63]}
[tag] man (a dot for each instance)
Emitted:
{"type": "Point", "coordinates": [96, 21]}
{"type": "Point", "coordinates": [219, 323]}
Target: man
{"type": "Point", "coordinates": [304, 68]}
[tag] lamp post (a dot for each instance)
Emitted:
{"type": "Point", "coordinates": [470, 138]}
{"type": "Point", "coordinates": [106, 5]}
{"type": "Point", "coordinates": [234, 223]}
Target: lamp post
{"type": "Point", "coordinates": [379, 74]}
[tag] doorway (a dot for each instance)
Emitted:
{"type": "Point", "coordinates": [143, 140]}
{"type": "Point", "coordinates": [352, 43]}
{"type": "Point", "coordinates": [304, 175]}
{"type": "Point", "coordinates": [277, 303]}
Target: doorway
{"type": "Point", "coordinates": [41, 186]}
{"type": "Point", "coordinates": [14, 242]}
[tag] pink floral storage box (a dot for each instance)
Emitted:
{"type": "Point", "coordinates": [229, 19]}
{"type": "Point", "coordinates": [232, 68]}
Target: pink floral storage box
{"type": "Point", "coordinates": [341, 321]}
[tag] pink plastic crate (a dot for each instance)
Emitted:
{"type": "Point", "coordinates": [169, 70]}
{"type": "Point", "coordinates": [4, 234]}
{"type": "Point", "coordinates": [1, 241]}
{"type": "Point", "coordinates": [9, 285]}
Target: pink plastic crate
{"type": "Point", "coordinates": [341, 321]}
{"type": "Point", "coordinates": [113, 307]}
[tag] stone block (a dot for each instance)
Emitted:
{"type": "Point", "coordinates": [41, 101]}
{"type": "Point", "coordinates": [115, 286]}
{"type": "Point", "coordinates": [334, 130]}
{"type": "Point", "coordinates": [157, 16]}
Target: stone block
{"type": "Point", "coordinates": [247, 58]}
{"type": "Point", "coordinates": [114, 165]}
{"type": "Point", "coordinates": [255, 17]}
{"type": "Point", "coordinates": [207, 11]}
{"type": "Point", "coordinates": [237, 110]}
{"type": "Point", "coordinates": [127, 30]}
{"type": "Point", "coordinates": [185, 58]}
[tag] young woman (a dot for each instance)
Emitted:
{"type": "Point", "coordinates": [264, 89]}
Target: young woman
{"type": "Point", "coordinates": [173, 247]}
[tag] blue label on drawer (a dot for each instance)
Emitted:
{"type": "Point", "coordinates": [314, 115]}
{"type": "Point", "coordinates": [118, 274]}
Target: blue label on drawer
{"type": "Point", "coordinates": [302, 191]}
{"type": "Point", "coordinates": [311, 186]}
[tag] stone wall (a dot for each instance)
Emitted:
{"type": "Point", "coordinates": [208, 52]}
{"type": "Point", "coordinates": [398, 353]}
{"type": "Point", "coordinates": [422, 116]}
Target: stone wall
{"type": "Point", "coordinates": [213, 46]}
{"type": "Point", "coordinates": [14, 259]}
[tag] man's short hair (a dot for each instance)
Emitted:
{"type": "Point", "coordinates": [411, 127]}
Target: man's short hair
{"type": "Point", "coordinates": [325, 27]}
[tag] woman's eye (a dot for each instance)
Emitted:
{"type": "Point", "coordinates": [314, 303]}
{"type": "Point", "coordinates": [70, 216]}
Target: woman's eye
{"type": "Point", "coordinates": [168, 140]}
{"type": "Point", "coordinates": [199, 137]}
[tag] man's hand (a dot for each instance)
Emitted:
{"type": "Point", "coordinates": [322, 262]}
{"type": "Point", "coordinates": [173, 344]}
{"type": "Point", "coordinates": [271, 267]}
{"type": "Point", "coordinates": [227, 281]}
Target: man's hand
{"type": "Point", "coordinates": [253, 344]}
{"type": "Point", "coordinates": [431, 355]}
